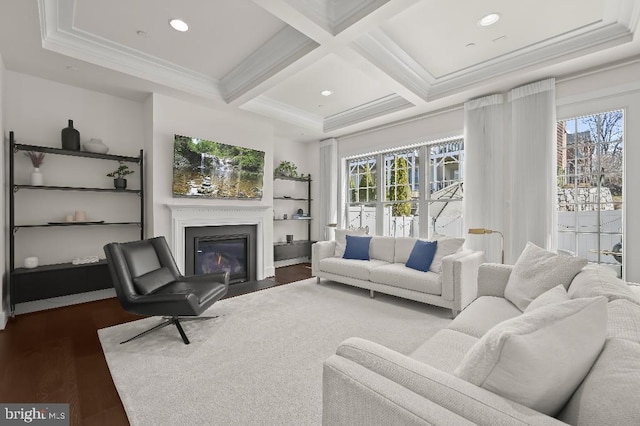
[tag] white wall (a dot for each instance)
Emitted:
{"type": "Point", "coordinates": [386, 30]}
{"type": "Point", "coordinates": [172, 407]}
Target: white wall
{"type": "Point", "coordinates": [172, 116]}
{"type": "Point", "coordinates": [37, 110]}
{"type": "Point", "coordinates": [305, 157]}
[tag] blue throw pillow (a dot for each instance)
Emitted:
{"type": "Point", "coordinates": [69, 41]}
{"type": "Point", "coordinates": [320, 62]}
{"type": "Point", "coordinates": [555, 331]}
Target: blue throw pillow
{"type": "Point", "coordinates": [357, 248]}
{"type": "Point", "coordinates": [422, 255]}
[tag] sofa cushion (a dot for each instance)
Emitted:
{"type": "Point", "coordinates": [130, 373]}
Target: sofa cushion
{"type": "Point", "coordinates": [600, 281]}
{"type": "Point", "coordinates": [538, 359]}
{"type": "Point", "coordinates": [624, 320]}
{"type": "Point", "coordinates": [609, 394]}
{"type": "Point", "coordinates": [538, 270]}
{"type": "Point", "coordinates": [445, 350]}
{"type": "Point", "coordinates": [398, 275]}
{"type": "Point", "coordinates": [483, 314]}
{"type": "Point", "coordinates": [341, 241]}
{"type": "Point", "coordinates": [557, 294]}
{"type": "Point", "coordinates": [446, 246]}
{"type": "Point", "coordinates": [404, 245]}
{"type": "Point", "coordinates": [422, 255]}
{"type": "Point", "coordinates": [359, 269]}
{"type": "Point", "coordinates": [357, 247]}
{"type": "Point", "coordinates": [382, 248]}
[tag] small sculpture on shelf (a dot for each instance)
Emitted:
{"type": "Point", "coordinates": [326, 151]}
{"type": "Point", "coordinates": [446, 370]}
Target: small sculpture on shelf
{"type": "Point", "coordinates": [118, 175]}
{"type": "Point", "coordinates": [37, 159]}
{"type": "Point", "coordinates": [287, 169]}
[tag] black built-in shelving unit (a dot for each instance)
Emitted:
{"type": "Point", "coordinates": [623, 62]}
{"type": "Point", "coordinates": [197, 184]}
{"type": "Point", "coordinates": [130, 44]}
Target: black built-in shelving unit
{"type": "Point", "coordinates": [46, 281]}
{"type": "Point", "coordinates": [298, 248]}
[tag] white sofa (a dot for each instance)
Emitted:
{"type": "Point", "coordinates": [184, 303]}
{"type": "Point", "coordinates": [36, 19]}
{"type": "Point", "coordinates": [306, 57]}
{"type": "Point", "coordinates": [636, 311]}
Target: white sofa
{"type": "Point", "coordinates": [368, 384]}
{"type": "Point", "coordinates": [450, 282]}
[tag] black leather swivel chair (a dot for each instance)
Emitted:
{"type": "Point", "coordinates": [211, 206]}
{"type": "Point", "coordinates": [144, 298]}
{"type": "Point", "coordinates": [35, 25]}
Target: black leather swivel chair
{"type": "Point", "coordinates": [148, 282]}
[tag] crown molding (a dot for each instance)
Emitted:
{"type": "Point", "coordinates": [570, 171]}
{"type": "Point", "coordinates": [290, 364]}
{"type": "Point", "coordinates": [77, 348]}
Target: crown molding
{"type": "Point", "coordinates": [284, 112]}
{"type": "Point", "coordinates": [379, 49]}
{"type": "Point", "coordinates": [282, 50]}
{"type": "Point", "coordinates": [59, 35]}
{"type": "Point", "coordinates": [616, 28]}
{"type": "Point", "coordinates": [368, 111]}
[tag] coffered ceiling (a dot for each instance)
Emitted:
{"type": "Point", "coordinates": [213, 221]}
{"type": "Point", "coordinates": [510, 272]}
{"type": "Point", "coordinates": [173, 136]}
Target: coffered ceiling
{"type": "Point", "coordinates": [382, 60]}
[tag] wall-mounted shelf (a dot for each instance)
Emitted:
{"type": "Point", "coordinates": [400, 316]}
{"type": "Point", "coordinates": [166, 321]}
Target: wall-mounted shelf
{"type": "Point", "coordinates": [51, 225]}
{"type": "Point", "coordinates": [74, 188]}
{"type": "Point", "coordinates": [87, 154]}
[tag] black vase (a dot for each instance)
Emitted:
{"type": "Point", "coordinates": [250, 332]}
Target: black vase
{"type": "Point", "coordinates": [70, 138]}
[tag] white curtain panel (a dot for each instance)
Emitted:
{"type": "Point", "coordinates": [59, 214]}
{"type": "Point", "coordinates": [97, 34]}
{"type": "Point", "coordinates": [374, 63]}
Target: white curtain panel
{"type": "Point", "coordinates": [532, 161]}
{"type": "Point", "coordinates": [328, 186]}
{"type": "Point", "coordinates": [484, 181]}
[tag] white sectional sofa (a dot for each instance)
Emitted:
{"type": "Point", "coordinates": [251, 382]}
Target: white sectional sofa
{"type": "Point", "coordinates": [450, 282]}
{"type": "Point", "coordinates": [588, 376]}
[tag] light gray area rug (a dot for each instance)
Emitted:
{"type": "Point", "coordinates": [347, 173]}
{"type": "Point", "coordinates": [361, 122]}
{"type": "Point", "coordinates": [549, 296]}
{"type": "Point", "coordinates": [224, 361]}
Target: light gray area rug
{"type": "Point", "coordinates": [260, 363]}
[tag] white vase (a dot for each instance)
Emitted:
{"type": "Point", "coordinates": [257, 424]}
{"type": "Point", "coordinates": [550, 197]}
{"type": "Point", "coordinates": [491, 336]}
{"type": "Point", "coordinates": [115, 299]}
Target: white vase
{"type": "Point", "coordinates": [36, 177]}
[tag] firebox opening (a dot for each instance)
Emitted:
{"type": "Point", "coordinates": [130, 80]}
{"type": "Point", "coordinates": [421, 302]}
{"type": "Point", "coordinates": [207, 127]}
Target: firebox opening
{"type": "Point", "coordinates": [220, 254]}
{"type": "Point", "coordinates": [222, 248]}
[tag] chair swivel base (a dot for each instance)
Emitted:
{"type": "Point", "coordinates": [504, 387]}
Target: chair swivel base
{"type": "Point", "coordinates": [168, 321]}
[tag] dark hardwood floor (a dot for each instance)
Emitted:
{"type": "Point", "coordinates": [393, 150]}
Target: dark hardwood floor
{"type": "Point", "coordinates": [55, 355]}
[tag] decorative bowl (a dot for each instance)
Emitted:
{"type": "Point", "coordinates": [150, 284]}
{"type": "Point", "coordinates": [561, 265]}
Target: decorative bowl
{"type": "Point", "coordinates": [95, 145]}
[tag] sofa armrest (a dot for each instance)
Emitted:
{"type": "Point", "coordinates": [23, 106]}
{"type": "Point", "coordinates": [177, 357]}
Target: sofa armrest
{"type": "Point", "coordinates": [355, 395]}
{"type": "Point", "coordinates": [319, 251]}
{"type": "Point", "coordinates": [462, 398]}
{"type": "Point", "coordinates": [460, 277]}
{"type": "Point", "coordinates": [493, 278]}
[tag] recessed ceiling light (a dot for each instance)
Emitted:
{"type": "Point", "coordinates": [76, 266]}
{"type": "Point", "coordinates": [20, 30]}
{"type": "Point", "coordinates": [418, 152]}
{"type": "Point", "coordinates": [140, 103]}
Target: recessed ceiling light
{"type": "Point", "coordinates": [143, 34]}
{"type": "Point", "coordinates": [489, 19]}
{"type": "Point", "coordinates": [470, 45]}
{"type": "Point", "coordinates": [326, 93]}
{"type": "Point", "coordinates": [71, 68]}
{"type": "Point", "coordinates": [179, 25]}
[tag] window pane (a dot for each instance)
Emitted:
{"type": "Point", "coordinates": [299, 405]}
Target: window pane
{"type": "Point", "coordinates": [445, 218]}
{"type": "Point", "coordinates": [445, 170]}
{"type": "Point", "coordinates": [590, 178]}
{"type": "Point", "coordinates": [401, 225]}
{"type": "Point", "coordinates": [362, 216]}
{"type": "Point", "coordinates": [362, 180]}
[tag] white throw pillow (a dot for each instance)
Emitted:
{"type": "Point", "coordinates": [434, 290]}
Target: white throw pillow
{"type": "Point", "coordinates": [538, 270]}
{"type": "Point", "coordinates": [557, 294]}
{"type": "Point", "coordinates": [598, 280]}
{"type": "Point", "coordinates": [539, 359]}
{"type": "Point", "coordinates": [446, 246]}
{"type": "Point", "coordinates": [341, 240]}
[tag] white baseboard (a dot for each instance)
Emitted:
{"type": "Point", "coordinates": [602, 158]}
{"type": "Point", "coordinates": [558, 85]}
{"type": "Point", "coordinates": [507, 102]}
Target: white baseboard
{"type": "Point", "coordinates": [269, 271]}
{"type": "Point", "coordinates": [58, 302]}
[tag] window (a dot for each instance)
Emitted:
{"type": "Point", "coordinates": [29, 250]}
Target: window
{"type": "Point", "coordinates": [393, 207]}
{"type": "Point", "coordinates": [362, 193]}
{"type": "Point", "coordinates": [590, 152]}
{"type": "Point", "coordinates": [445, 188]}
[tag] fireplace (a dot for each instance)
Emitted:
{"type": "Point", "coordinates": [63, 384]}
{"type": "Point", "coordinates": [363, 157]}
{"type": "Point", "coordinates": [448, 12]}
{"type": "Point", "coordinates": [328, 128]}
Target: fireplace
{"type": "Point", "coordinates": [221, 248]}
{"type": "Point", "coordinates": [184, 216]}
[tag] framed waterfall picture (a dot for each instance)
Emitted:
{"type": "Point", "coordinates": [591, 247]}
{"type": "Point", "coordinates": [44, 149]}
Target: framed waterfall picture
{"type": "Point", "coordinates": [207, 169]}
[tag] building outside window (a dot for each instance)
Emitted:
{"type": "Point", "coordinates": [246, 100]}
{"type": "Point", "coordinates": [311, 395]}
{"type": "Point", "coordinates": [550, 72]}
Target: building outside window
{"type": "Point", "coordinates": [409, 186]}
{"type": "Point", "coordinates": [590, 154]}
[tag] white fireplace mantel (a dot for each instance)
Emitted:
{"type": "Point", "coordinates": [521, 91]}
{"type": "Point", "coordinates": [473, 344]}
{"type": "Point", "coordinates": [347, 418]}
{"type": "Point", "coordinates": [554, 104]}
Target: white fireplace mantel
{"type": "Point", "coordinates": [188, 215]}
